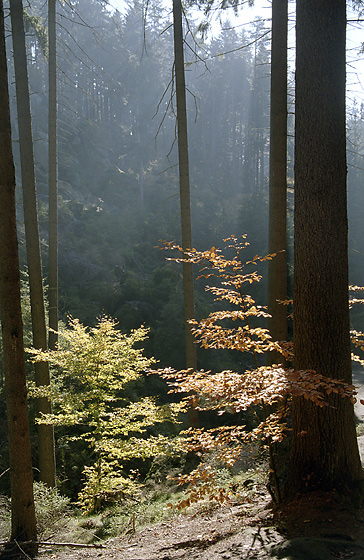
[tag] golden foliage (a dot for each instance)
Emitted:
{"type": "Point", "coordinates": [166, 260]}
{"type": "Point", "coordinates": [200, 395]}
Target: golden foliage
{"type": "Point", "coordinates": [266, 391]}
{"type": "Point", "coordinates": [94, 367]}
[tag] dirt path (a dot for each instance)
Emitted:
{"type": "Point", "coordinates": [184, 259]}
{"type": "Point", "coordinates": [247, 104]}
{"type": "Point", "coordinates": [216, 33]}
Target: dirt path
{"type": "Point", "coordinates": [314, 527]}
{"type": "Point", "coordinates": [244, 532]}
{"type": "Point", "coordinates": [318, 528]}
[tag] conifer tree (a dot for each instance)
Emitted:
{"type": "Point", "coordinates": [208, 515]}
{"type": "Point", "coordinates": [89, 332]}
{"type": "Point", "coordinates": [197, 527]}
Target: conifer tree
{"type": "Point", "coordinates": [324, 450]}
{"type": "Point", "coordinates": [23, 524]}
{"type": "Point", "coordinates": [45, 433]}
{"type": "Point", "coordinates": [277, 267]}
{"type": "Point", "coordinates": [52, 172]}
{"type": "Point", "coordinates": [184, 176]}
{"type": "Point", "coordinates": [184, 181]}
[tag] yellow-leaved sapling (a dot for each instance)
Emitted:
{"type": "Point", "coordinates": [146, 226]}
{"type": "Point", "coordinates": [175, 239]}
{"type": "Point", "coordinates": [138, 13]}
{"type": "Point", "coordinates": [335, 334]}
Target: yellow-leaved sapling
{"type": "Point", "coordinates": [94, 367]}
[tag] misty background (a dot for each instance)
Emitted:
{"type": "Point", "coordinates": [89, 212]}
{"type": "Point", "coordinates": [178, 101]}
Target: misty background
{"type": "Point", "coordinates": [118, 174]}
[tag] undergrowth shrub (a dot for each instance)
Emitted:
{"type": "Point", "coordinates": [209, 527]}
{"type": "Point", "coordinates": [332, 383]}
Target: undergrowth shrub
{"type": "Point", "coordinates": [5, 517]}
{"type": "Point", "coordinates": [50, 507]}
{"type": "Point", "coordinates": [93, 369]}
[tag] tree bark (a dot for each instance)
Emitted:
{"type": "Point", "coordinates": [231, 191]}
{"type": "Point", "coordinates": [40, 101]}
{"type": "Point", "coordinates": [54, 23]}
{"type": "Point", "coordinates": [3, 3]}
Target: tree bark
{"type": "Point", "coordinates": [53, 183]}
{"type": "Point", "coordinates": [184, 181]}
{"type": "Point", "coordinates": [277, 267]}
{"type": "Point", "coordinates": [324, 450]}
{"type": "Point", "coordinates": [46, 453]}
{"type": "Point", "coordinates": [23, 524]}
{"type": "Point", "coordinates": [184, 178]}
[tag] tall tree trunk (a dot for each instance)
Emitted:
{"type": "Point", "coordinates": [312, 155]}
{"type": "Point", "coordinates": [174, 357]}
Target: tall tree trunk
{"type": "Point", "coordinates": [184, 181]}
{"type": "Point", "coordinates": [23, 525]}
{"type": "Point", "coordinates": [324, 446]}
{"type": "Point", "coordinates": [45, 433]}
{"type": "Point", "coordinates": [250, 180]}
{"type": "Point", "coordinates": [277, 268]}
{"type": "Point", "coordinates": [53, 186]}
{"type": "Point", "coordinates": [184, 178]}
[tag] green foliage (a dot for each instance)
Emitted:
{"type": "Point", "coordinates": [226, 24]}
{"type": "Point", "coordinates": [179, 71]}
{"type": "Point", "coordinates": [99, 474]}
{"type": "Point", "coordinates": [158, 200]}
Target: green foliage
{"type": "Point", "coordinates": [50, 507]}
{"type": "Point", "coordinates": [94, 368]}
{"type": "Point", "coordinates": [5, 517]}
{"type": "Point", "coordinates": [52, 511]}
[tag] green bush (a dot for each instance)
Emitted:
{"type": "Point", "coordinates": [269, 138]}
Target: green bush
{"type": "Point", "coordinates": [94, 367]}
{"type": "Point", "coordinates": [50, 507]}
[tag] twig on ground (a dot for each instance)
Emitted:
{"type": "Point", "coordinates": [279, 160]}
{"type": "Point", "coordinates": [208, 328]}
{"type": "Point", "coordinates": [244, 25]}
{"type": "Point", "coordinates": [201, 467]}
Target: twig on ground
{"type": "Point", "coordinates": [50, 543]}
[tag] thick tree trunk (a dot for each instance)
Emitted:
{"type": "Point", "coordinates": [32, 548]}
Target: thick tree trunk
{"type": "Point", "coordinates": [184, 181]}
{"type": "Point", "coordinates": [277, 267]}
{"type": "Point", "coordinates": [22, 502]}
{"type": "Point", "coordinates": [45, 433]}
{"type": "Point", "coordinates": [53, 186]}
{"type": "Point", "coordinates": [324, 446]}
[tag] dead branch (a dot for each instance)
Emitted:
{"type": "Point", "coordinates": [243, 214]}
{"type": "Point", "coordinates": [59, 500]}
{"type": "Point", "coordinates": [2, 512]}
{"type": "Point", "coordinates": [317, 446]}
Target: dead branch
{"type": "Point", "coordinates": [51, 543]}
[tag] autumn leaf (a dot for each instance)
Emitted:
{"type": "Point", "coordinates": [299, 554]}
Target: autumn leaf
{"type": "Point", "coordinates": [241, 327]}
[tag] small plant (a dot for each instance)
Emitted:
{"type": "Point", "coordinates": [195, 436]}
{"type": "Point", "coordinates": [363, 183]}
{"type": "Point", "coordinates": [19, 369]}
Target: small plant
{"type": "Point", "coordinates": [5, 517]}
{"type": "Point", "coordinates": [94, 367]}
{"type": "Point", "coordinates": [50, 507]}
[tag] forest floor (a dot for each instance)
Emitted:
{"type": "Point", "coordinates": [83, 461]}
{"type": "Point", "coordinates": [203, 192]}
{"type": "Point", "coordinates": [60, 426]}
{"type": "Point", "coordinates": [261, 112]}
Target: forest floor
{"type": "Point", "coordinates": [318, 526]}
{"type": "Point", "coordinates": [314, 527]}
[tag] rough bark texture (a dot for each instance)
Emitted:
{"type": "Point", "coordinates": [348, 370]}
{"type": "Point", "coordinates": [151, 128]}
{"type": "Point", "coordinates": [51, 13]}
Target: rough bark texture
{"type": "Point", "coordinates": [22, 501]}
{"type": "Point", "coordinates": [53, 184]}
{"type": "Point", "coordinates": [184, 182]}
{"type": "Point", "coordinates": [324, 447]}
{"type": "Point", "coordinates": [277, 268]}
{"type": "Point", "coordinates": [46, 455]}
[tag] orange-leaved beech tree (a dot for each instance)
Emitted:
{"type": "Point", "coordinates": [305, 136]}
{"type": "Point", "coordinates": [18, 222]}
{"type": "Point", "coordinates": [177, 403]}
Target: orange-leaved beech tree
{"type": "Point", "coordinates": [265, 391]}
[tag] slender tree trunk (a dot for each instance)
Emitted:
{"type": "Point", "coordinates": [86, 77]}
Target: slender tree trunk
{"type": "Point", "coordinates": [324, 446]}
{"type": "Point", "coordinates": [53, 186]}
{"type": "Point", "coordinates": [184, 181]}
{"type": "Point", "coordinates": [250, 180]}
{"type": "Point", "coordinates": [23, 525]}
{"type": "Point", "coordinates": [184, 178]}
{"type": "Point", "coordinates": [45, 433]}
{"type": "Point", "coordinates": [277, 268]}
